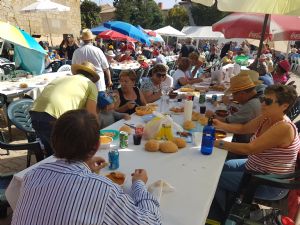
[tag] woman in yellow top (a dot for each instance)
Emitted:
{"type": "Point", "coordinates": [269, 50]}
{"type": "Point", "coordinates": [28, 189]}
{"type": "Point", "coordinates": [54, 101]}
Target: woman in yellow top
{"type": "Point", "coordinates": [63, 94]}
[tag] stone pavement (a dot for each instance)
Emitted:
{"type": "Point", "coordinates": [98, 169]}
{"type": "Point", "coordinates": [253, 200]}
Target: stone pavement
{"type": "Point", "coordinates": [16, 160]}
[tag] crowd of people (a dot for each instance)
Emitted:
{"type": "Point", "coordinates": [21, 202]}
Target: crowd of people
{"type": "Point", "coordinates": [71, 110]}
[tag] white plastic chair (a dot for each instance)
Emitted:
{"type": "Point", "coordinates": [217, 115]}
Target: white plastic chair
{"type": "Point", "coordinates": [64, 68]}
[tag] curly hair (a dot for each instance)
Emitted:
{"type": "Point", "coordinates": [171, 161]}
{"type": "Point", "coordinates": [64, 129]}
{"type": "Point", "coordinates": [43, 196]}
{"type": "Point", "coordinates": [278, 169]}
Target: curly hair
{"type": "Point", "coordinates": [284, 94]}
{"type": "Point", "coordinates": [75, 135]}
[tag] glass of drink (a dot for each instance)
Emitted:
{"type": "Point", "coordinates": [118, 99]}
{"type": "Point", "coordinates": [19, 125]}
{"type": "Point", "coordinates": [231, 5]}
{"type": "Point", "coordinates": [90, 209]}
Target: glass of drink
{"type": "Point", "coordinates": [202, 109]}
{"type": "Point", "coordinates": [137, 139]}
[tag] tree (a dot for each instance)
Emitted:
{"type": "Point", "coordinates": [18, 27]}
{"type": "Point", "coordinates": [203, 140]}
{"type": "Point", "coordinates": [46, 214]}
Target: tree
{"type": "Point", "coordinates": [145, 13]}
{"type": "Point", "coordinates": [177, 17]}
{"type": "Point", "coordinates": [206, 16]}
{"type": "Point", "coordinates": [90, 14]}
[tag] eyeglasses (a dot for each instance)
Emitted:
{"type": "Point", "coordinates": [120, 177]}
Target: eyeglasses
{"type": "Point", "coordinates": [161, 74]}
{"type": "Point", "coordinates": [267, 101]}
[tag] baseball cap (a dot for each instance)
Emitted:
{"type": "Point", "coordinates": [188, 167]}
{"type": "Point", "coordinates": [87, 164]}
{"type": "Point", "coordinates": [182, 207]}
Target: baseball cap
{"type": "Point", "coordinates": [103, 100]}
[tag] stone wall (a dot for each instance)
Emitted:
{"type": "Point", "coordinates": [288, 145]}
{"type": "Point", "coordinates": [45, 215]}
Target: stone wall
{"type": "Point", "coordinates": [54, 23]}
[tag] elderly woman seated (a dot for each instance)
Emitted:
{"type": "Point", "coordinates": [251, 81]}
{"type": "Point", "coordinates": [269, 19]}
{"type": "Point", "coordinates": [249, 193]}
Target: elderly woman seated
{"type": "Point", "coordinates": [198, 63]}
{"type": "Point", "coordinates": [128, 96]}
{"type": "Point", "coordinates": [70, 187]}
{"type": "Point", "coordinates": [273, 148]}
{"type": "Point", "coordinates": [151, 86]}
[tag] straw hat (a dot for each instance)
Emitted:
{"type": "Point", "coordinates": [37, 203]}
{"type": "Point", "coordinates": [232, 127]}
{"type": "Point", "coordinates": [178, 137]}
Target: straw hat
{"type": "Point", "coordinates": [87, 67]}
{"type": "Point", "coordinates": [254, 76]}
{"type": "Point", "coordinates": [202, 58]}
{"type": "Point", "coordinates": [110, 53]}
{"type": "Point", "coordinates": [141, 58]}
{"type": "Point", "coordinates": [87, 34]}
{"type": "Point", "coordinates": [240, 83]}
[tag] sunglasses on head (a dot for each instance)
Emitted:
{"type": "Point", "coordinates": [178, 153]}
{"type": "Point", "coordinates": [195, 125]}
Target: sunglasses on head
{"type": "Point", "coordinates": [267, 101]}
{"type": "Point", "coordinates": [161, 74]}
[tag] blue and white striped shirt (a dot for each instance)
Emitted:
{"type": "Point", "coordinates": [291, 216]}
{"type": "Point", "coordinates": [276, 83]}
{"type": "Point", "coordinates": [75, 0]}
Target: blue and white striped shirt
{"type": "Point", "coordinates": [69, 193]}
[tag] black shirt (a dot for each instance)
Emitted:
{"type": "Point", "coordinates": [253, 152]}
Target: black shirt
{"type": "Point", "coordinates": [187, 49]}
{"type": "Point", "coordinates": [70, 51]}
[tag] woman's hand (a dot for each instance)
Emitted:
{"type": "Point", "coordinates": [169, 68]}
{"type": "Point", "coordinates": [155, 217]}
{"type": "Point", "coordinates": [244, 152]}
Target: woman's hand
{"type": "Point", "coordinates": [218, 124]}
{"type": "Point", "coordinates": [96, 163]}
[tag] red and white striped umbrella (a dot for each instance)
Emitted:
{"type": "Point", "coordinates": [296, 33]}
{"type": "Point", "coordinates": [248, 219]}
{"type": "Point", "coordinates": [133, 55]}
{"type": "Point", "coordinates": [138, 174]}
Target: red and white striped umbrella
{"type": "Point", "coordinates": [249, 25]}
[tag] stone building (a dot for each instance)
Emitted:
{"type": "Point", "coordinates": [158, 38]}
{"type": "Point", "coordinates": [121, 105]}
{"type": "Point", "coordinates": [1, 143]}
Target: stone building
{"type": "Point", "coordinates": [41, 23]}
{"type": "Point", "coordinates": [107, 12]}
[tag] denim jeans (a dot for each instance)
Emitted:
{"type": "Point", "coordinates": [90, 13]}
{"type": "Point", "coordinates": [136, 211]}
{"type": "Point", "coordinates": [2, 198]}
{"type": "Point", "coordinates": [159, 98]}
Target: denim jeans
{"type": "Point", "coordinates": [43, 124]}
{"type": "Point", "coordinates": [230, 180]}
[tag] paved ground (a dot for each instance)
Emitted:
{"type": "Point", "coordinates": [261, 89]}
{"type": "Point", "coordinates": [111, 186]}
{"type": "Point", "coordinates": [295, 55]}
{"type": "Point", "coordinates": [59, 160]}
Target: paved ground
{"type": "Point", "coordinates": [16, 160]}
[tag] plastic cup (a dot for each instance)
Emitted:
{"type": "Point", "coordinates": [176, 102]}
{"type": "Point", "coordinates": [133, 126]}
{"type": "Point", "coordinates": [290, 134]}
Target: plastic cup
{"type": "Point", "coordinates": [139, 130]}
{"type": "Point", "coordinates": [202, 109]}
{"type": "Point", "coordinates": [137, 139]}
{"type": "Point", "coordinates": [197, 136]}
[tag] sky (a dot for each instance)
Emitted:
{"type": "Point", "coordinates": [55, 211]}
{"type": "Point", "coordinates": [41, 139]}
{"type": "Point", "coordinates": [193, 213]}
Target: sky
{"type": "Point", "coordinates": [166, 3]}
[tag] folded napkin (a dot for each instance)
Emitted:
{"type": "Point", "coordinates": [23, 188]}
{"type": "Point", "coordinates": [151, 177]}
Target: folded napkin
{"type": "Point", "coordinates": [159, 187]}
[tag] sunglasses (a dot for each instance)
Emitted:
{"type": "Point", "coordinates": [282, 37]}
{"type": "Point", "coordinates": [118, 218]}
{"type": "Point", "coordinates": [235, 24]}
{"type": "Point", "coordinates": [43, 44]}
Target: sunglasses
{"type": "Point", "coordinates": [161, 74]}
{"type": "Point", "coordinates": [267, 101]}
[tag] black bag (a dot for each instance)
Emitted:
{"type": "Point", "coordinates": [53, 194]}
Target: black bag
{"type": "Point", "coordinates": [245, 214]}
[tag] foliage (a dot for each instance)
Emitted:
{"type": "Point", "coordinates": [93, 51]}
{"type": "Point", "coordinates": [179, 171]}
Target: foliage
{"type": "Point", "coordinates": [177, 17]}
{"type": "Point", "coordinates": [90, 14]}
{"type": "Point", "coordinates": [206, 16]}
{"type": "Point", "coordinates": [145, 13]}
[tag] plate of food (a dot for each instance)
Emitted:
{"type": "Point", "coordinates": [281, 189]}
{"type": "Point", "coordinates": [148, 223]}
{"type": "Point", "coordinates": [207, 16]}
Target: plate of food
{"type": "Point", "coordinates": [114, 134]}
{"type": "Point", "coordinates": [116, 177]}
{"type": "Point", "coordinates": [177, 110]}
{"type": "Point", "coordinates": [105, 142]}
{"type": "Point", "coordinates": [220, 134]}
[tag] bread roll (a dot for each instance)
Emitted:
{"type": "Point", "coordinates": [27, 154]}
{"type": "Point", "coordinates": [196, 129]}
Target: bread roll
{"type": "Point", "coordinates": [152, 146]}
{"type": "Point", "coordinates": [188, 125]}
{"type": "Point", "coordinates": [23, 85]}
{"type": "Point", "coordinates": [168, 147]}
{"type": "Point", "coordinates": [180, 142]}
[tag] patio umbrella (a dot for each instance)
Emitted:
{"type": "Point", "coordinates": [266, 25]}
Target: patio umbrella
{"type": "Point", "coordinates": [28, 53]}
{"type": "Point", "coordinates": [98, 30]}
{"type": "Point", "coordinates": [267, 7]}
{"type": "Point", "coordinates": [45, 6]}
{"type": "Point", "coordinates": [114, 35]}
{"type": "Point", "coordinates": [286, 7]}
{"type": "Point", "coordinates": [278, 27]}
{"type": "Point", "coordinates": [128, 29]}
{"type": "Point", "coordinates": [152, 35]}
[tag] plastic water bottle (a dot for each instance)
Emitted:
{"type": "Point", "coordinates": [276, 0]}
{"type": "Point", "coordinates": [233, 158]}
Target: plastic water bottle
{"type": "Point", "coordinates": [208, 138]}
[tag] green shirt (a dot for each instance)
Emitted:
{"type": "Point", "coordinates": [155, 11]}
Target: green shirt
{"type": "Point", "coordinates": [64, 94]}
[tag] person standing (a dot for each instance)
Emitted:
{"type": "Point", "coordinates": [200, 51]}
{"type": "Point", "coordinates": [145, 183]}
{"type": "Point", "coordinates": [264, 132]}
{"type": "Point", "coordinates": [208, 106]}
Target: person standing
{"type": "Point", "coordinates": [188, 48]}
{"type": "Point", "coordinates": [63, 94]}
{"type": "Point", "coordinates": [90, 53]}
{"type": "Point", "coordinates": [71, 47]}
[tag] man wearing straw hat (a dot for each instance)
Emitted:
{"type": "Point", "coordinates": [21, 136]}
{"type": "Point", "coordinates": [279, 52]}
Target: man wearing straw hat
{"type": "Point", "coordinates": [92, 54]}
{"type": "Point", "coordinates": [63, 94]}
{"type": "Point", "coordinates": [243, 91]}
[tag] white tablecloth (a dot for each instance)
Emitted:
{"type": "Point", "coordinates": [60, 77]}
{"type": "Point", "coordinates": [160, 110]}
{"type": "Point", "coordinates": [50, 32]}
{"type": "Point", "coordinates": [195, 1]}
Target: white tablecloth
{"type": "Point", "coordinates": [125, 66]}
{"type": "Point", "coordinates": [35, 85]}
{"type": "Point", "coordinates": [194, 176]}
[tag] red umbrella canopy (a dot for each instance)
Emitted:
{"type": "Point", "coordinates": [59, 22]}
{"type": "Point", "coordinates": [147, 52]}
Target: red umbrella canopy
{"type": "Point", "coordinates": [114, 35]}
{"type": "Point", "coordinates": [249, 25]}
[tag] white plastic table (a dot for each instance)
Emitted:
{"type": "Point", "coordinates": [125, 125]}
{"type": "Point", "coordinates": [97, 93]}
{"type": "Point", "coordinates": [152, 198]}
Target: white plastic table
{"type": "Point", "coordinates": [194, 176]}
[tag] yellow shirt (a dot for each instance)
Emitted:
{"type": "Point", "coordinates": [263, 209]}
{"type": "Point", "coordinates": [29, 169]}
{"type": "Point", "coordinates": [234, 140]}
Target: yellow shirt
{"type": "Point", "coordinates": [64, 94]}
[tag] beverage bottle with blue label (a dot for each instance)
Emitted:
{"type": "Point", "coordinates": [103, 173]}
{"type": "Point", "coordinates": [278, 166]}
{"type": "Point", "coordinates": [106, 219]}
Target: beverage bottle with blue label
{"type": "Point", "coordinates": [208, 138]}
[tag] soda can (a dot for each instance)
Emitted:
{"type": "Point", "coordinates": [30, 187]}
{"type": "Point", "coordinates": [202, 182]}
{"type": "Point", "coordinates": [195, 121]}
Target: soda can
{"type": "Point", "coordinates": [214, 98]}
{"type": "Point", "coordinates": [202, 98]}
{"type": "Point", "coordinates": [123, 139]}
{"type": "Point", "coordinates": [113, 158]}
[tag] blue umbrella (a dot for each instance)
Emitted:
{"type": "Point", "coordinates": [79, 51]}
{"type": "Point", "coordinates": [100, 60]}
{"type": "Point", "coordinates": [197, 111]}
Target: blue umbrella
{"type": "Point", "coordinates": [129, 30]}
{"type": "Point", "coordinates": [99, 29]}
{"type": "Point", "coordinates": [157, 38]}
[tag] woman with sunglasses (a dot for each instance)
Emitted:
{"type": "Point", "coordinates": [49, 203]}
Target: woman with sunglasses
{"type": "Point", "coordinates": [128, 96]}
{"type": "Point", "coordinates": [273, 148]}
{"type": "Point", "coordinates": [151, 86]}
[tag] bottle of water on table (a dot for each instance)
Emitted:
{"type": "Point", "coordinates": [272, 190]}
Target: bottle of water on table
{"type": "Point", "coordinates": [208, 138]}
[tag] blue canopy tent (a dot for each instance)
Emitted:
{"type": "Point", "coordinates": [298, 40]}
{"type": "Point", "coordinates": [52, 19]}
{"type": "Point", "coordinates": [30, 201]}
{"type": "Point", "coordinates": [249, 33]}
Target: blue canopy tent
{"type": "Point", "coordinates": [98, 30]}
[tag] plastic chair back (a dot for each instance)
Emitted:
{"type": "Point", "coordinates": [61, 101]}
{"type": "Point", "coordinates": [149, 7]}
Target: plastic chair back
{"type": "Point", "coordinates": [64, 68]}
{"type": "Point", "coordinates": [295, 110]}
{"type": "Point", "coordinates": [18, 114]}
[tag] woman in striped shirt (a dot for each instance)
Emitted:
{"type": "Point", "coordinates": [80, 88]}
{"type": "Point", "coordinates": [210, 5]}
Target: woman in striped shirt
{"type": "Point", "coordinates": [273, 147]}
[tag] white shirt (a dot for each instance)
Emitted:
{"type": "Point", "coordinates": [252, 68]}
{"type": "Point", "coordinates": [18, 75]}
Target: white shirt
{"type": "Point", "coordinates": [94, 55]}
{"type": "Point", "coordinates": [168, 82]}
{"type": "Point", "coordinates": [176, 76]}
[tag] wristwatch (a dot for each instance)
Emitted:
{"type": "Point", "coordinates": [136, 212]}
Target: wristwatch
{"type": "Point", "coordinates": [221, 144]}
